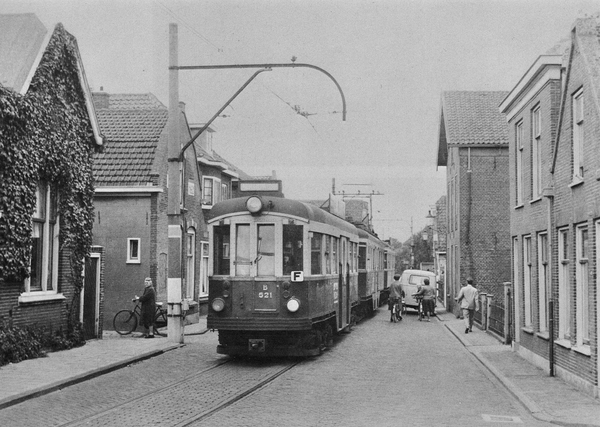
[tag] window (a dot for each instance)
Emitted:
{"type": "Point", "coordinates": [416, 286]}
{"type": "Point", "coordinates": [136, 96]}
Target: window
{"type": "Point", "coordinates": [516, 282]}
{"type": "Point", "coordinates": [519, 155]}
{"type": "Point", "coordinates": [221, 250]}
{"type": "Point", "coordinates": [292, 248]}
{"type": "Point", "coordinates": [564, 287]}
{"type": "Point", "coordinates": [211, 191]}
{"type": "Point", "coordinates": [243, 250]}
{"type": "Point", "coordinates": [204, 270]}
{"type": "Point", "coordinates": [543, 281]}
{"type": "Point", "coordinates": [362, 257]}
{"type": "Point", "coordinates": [536, 153]}
{"type": "Point", "coordinates": [527, 280]}
{"type": "Point", "coordinates": [335, 258]}
{"type": "Point", "coordinates": [578, 134]}
{"type": "Point", "coordinates": [316, 244]}
{"type": "Point", "coordinates": [225, 191]}
{"type": "Point", "coordinates": [581, 283]}
{"type": "Point", "coordinates": [43, 273]}
{"type": "Point", "coordinates": [265, 250]}
{"type": "Point", "coordinates": [133, 251]}
{"type": "Point", "coordinates": [190, 263]}
{"type": "Point", "coordinates": [327, 255]}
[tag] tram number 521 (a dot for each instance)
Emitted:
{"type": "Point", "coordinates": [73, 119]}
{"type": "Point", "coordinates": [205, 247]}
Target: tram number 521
{"type": "Point", "coordinates": [265, 294]}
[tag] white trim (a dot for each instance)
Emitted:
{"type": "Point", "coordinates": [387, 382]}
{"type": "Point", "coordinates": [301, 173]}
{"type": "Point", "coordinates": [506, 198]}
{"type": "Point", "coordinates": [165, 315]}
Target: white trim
{"type": "Point", "coordinates": [36, 62]}
{"type": "Point", "coordinates": [132, 189]}
{"type": "Point", "coordinates": [544, 69]}
{"type": "Point", "coordinates": [40, 296]}
{"type": "Point", "coordinates": [131, 260]}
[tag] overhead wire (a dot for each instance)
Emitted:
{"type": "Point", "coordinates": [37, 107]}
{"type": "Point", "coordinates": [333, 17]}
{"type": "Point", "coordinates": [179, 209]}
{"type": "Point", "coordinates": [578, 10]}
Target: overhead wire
{"type": "Point", "coordinates": [222, 50]}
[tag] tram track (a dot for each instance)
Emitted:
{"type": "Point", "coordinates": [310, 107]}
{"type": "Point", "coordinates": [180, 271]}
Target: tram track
{"type": "Point", "coordinates": [179, 403]}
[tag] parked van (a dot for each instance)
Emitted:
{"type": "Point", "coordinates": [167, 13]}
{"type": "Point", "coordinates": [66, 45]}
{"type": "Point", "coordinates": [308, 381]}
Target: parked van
{"type": "Point", "coordinates": [410, 281]}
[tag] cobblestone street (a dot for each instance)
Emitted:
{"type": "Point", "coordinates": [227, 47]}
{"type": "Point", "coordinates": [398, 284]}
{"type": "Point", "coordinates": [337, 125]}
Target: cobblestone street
{"type": "Point", "coordinates": [380, 374]}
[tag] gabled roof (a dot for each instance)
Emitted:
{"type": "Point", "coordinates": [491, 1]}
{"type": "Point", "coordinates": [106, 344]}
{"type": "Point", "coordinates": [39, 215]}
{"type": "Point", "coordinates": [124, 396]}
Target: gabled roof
{"type": "Point", "coordinates": [23, 41]}
{"type": "Point", "coordinates": [132, 125]}
{"type": "Point", "coordinates": [216, 160]}
{"type": "Point", "coordinates": [585, 42]}
{"type": "Point", "coordinates": [471, 118]}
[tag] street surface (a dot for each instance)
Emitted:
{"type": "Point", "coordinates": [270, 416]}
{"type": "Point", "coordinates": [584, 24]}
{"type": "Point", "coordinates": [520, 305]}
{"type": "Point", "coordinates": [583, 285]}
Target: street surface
{"type": "Point", "coordinates": [381, 374]}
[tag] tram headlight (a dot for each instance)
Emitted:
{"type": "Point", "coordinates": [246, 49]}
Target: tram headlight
{"type": "Point", "coordinates": [293, 305]}
{"type": "Point", "coordinates": [218, 304]}
{"type": "Point", "coordinates": [254, 204]}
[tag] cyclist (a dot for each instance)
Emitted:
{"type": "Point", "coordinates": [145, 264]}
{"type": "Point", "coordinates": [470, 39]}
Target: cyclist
{"type": "Point", "coordinates": [428, 293]}
{"type": "Point", "coordinates": [396, 293]}
{"type": "Point", "coordinates": [148, 300]}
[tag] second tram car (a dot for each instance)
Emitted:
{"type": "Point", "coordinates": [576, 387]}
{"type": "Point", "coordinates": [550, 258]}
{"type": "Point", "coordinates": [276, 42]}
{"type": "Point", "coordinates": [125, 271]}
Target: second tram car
{"type": "Point", "coordinates": [283, 276]}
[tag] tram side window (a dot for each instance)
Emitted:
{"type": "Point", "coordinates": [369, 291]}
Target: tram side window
{"type": "Point", "coordinates": [292, 248]}
{"type": "Point", "coordinates": [327, 255]}
{"type": "Point", "coordinates": [362, 257]}
{"type": "Point", "coordinates": [316, 244]}
{"type": "Point", "coordinates": [221, 248]}
{"type": "Point", "coordinates": [334, 245]}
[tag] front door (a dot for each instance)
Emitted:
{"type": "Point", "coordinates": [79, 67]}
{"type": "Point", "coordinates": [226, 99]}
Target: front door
{"type": "Point", "coordinates": [90, 297]}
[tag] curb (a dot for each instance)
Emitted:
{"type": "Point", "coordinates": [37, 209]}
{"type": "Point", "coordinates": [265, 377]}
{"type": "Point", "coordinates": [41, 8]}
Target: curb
{"type": "Point", "coordinates": [57, 385]}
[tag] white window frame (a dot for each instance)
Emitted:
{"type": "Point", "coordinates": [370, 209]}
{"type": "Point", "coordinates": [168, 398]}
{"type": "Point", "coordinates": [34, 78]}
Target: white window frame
{"type": "Point", "coordinates": [50, 244]}
{"type": "Point", "coordinates": [582, 254]}
{"type": "Point", "coordinates": [517, 287]}
{"type": "Point", "coordinates": [578, 135]}
{"type": "Point", "coordinates": [564, 286]}
{"type": "Point", "coordinates": [527, 270]}
{"type": "Point", "coordinates": [131, 259]}
{"type": "Point", "coordinates": [203, 292]}
{"type": "Point", "coordinates": [543, 281]}
{"type": "Point", "coordinates": [190, 262]}
{"type": "Point", "coordinates": [225, 195]}
{"type": "Point", "coordinates": [536, 153]}
{"type": "Point", "coordinates": [519, 136]}
{"type": "Point", "coordinates": [215, 190]}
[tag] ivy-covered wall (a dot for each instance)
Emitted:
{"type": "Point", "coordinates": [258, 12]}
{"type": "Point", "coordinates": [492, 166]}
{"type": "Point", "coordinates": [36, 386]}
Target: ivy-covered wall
{"type": "Point", "coordinates": [46, 135]}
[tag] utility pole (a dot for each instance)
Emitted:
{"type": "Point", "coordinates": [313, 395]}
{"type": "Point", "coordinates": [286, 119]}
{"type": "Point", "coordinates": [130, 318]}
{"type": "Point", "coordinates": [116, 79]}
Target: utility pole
{"type": "Point", "coordinates": [412, 245]}
{"type": "Point", "coordinates": [175, 233]}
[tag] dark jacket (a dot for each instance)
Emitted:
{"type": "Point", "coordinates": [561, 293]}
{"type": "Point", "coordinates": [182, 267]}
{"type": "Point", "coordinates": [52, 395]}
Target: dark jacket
{"type": "Point", "coordinates": [148, 300]}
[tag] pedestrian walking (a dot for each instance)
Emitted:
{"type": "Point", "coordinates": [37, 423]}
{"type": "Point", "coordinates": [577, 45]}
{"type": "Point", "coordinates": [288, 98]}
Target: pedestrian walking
{"type": "Point", "coordinates": [148, 300]}
{"type": "Point", "coordinates": [428, 293]}
{"type": "Point", "coordinates": [468, 297]}
{"type": "Point", "coordinates": [396, 293]}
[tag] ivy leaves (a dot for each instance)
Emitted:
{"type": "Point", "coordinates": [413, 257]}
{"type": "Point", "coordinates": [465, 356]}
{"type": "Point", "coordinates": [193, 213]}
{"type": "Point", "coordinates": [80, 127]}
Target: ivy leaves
{"type": "Point", "coordinates": [45, 136]}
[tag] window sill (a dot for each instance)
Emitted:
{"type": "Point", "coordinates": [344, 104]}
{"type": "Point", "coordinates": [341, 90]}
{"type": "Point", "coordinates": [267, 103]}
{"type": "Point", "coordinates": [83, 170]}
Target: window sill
{"type": "Point", "coordinates": [534, 201]}
{"type": "Point", "coordinates": [583, 349]}
{"type": "Point", "coordinates": [564, 343]}
{"type": "Point", "coordinates": [39, 297]}
{"type": "Point", "coordinates": [207, 206]}
{"type": "Point", "coordinates": [577, 180]}
{"type": "Point", "coordinates": [543, 335]}
{"type": "Point", "coordinates": [528, 330]}
{"type": "Point", "coordinates": [519, 206]}
{"type": "Point", "coordinates": [133, 262]}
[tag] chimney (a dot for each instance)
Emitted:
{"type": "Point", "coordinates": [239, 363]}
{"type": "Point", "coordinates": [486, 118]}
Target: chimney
{"type": "Point", "coordinates": [182, 106]}
{"type": "Point", "coordinates": [101, 99]}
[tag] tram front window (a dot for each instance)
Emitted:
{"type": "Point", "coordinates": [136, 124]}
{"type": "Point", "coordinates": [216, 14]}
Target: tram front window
{"type": "Point", "coordinates": [243, 260]}
{"type": "Point", "coordinates": [265, 259]}
{"type": "Point", "coordinates": [292, 248]}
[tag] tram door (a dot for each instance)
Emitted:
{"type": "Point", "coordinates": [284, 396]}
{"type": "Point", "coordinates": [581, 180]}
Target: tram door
{"type": "Point", "coordinates": [341, 305]}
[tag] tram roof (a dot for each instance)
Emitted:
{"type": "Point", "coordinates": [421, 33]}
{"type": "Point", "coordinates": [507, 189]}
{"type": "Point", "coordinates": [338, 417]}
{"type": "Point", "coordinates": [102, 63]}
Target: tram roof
{"type": "Point", "coordinates": [281, 206]}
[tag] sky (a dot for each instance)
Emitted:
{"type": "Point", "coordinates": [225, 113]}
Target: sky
{"type": "Point", "coordinates": [391, 58]}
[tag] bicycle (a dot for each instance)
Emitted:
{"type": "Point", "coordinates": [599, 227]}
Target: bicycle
{"type": "Point", "coordinates": [419, 300]}
{"type": "Point", "coordinates": [126, 321]}
{"type": "Point", "coordinates": [396, 311]}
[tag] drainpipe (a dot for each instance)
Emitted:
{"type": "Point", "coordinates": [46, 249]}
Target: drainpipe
{"type": "Point", "coordinates": [548, 193]}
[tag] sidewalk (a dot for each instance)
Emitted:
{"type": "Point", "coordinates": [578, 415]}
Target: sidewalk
{"type": "Point", "coordinates": [548, 398]}
{"type": "Point", "coordinates": [35, 377]}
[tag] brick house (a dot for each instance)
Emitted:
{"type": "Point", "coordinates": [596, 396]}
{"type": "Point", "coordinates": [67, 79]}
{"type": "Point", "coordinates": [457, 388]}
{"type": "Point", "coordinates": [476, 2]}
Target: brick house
{"type": "Point", "coordinates": [531, 110]}
{"type": "Point", "coordinates": [49, 133]}
{"type": "Point", "coordinates": [562, 245]}
{"type": "Point", "coordinates": [473, 145]}
{"type": "Point", "coordinates": [130, 200]}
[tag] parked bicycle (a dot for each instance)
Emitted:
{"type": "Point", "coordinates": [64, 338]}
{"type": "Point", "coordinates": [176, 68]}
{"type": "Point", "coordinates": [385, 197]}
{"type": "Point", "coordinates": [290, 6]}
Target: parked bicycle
{"type": "Point", "coordinates": [126, 321]}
